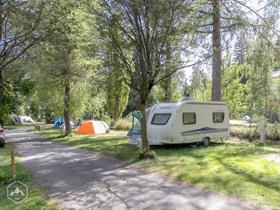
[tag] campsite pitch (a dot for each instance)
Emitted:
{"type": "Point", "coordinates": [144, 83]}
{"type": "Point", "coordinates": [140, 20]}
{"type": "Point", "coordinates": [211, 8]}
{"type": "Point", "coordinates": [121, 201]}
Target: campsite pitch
{"type": "Point", "coordinates": [81, 179]}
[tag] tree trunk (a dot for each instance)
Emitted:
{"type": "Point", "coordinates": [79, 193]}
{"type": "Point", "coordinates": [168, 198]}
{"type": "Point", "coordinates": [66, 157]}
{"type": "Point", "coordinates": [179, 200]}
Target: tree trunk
{"type": "Point", "coordinates": [91, 116]}
{"type": "Point", "coordinates": [168, 80]}
{"type": "Point", "coordinates": [1, 70]}
{"type": "Point", "coordinates": [67, 107]}
{"type": "Point", "coordinates": [1, 87]}
{"type": "Point", "coordinates": [145, 142]}
{"type": "Point", "coordinates": [217, 59]}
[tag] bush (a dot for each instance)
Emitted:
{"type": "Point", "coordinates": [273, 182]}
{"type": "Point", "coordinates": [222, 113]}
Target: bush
{"type": "Point", "coordinates": [106, 118]}
{"type": "Point", "coordinates": [243, 132]}
{"type": "Point", "coordinates": [123, 124]}
{"type": "Point", "coordinates": [272, 132]}
{"type": "Point", "coordinates": [4, 114]}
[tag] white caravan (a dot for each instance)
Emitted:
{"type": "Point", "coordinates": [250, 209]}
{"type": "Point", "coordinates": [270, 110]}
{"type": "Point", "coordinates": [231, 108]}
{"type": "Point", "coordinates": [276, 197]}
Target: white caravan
{"type": "Point", "coordinates": [186, 122]}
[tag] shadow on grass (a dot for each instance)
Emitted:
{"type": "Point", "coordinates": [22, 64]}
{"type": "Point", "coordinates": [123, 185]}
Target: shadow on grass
{"type": "Point", "coordinates": [219, 149]}
{"type": "Point", "coordinates": [184, 145]}
{"type": "Point", "coordinates": [255, 178]}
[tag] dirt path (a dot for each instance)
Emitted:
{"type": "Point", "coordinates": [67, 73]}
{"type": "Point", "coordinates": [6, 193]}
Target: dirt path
{"type": "Point", "coordinates": [80, 179]}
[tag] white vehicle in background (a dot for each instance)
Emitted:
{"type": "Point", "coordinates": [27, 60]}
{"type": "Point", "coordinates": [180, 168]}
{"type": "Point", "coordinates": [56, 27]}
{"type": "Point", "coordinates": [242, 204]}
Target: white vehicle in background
{"type": "Point", "coordinates": [20, 119]}
{"type": "Point", "coordinates": [186, 122]}
{"type": "Point", "coordinates": [246, 118]}
{"type": "Point", "coordinates": [25, 119]}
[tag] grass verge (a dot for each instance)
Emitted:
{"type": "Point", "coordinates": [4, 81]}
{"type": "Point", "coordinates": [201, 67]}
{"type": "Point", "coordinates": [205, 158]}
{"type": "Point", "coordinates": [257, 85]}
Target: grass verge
{"type": "Point", "coordinates": [35, 199]}
{"type": "Point", "coordinates": [236, 168]}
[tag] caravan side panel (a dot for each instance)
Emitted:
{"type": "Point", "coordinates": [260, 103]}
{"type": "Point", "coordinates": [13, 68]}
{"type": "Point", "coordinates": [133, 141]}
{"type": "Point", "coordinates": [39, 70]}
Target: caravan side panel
{"type": "Point", "coordinates": [189, 122]}
{"type": "Point", "coordinates": [211, 120]}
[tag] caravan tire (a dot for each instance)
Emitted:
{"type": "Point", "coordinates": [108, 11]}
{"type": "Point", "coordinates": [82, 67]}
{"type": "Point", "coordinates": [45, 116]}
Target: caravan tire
{"type": "Point", "coordinates": [2, 142]}
{"type": "Point", "coordinates": [206, 141]}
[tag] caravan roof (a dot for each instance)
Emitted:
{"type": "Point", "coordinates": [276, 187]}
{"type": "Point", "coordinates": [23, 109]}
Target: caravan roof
{"type": "Point", "coordinates": [204, 102]}
{"type": "Point", "coordinates": [164, 106]}
{"type": "Point", "coordinates": [174, 106]}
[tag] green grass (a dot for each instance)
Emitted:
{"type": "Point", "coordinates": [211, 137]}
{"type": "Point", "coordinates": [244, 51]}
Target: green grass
{"type": "Point", "coordinates": [35, 200]}
{"type": "Point", "coordinates": [236, 168]}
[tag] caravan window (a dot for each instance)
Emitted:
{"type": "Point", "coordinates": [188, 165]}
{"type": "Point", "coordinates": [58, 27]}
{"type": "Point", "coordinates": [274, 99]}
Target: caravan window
{"type": "Point", "coordinates": [189, 118]}
{"type": "Point", "coordinates": [218, 117]}
{"type": "Point", "coordinates": [160, 118]}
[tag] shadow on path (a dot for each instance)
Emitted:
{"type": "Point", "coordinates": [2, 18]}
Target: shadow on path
{"type": "Point", "coordinates": [81, 179]}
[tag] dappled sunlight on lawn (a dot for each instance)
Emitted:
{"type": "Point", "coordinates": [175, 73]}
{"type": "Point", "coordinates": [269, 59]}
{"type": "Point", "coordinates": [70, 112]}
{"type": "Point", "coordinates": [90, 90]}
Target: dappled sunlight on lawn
{"type": "Point", "coordinates": [235, 169]}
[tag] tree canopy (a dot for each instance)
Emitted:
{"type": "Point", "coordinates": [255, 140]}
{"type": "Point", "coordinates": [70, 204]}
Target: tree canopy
{"type": "Point", "coordinates": [104, 59]}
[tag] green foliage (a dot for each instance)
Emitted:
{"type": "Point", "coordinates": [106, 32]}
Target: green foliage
{"type": "Point", "coordinates": [156, 95]}
{"type": "Point", "coordinates": [158, 92]}
{"type": "Point", "coordinates": [123, 124]}
{"type": "Point", "coordinates": [274, 104]}
{"type": "Point", "coordinates": [100, 61]}
{"type": "Point", "coordinates": [65, 57]}
{"type": "Point", "coordinates": [260, 78]}
{"type": "Point", "coordinates": [5, 107]}
{"type": "Point", "coordinates": [116, 93]}
{"type": "Point", "coordinates": [235, 93]}
{"type": "Point", "coordinates": [12, 102]}
{"type": "Point", "coordinates": [133, 102]}
{"type": "Point", "coordinates": [247, 87]}
{"type": "Point", "coordinates": [4, 113]}
{"type": "Point", "coordinates": [200, 87]}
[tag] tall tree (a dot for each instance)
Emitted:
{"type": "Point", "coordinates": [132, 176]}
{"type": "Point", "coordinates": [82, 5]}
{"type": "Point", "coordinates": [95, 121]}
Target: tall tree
{"type": "Point", "coordinates": [144, 27]}
{"type": "Point", "coordinates": [240, 48]}
{"type": "Point", "coordinates": [236, 89]}
{"type": "Point", "coordinates": [22, 25]}
{"type": "Point", "coordinates": [260, 83]}
{"type": "Point", "coordinates": [168, 80]}
{"type": "Point", "coordinates": [221, 19]}
{"type": "Point", "coordinates": [63, 49]}
{"type": "Point", "coordinates": [117, 90]}
{"type": "Point", "coordinates": [200, 88]}
{"type": "Point", "coordinates": [217, 52]}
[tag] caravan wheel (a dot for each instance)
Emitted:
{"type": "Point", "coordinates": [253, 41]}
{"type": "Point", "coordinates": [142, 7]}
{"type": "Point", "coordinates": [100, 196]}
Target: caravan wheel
{"type": "Point", "coordinates": [2, 142]}
{"type": "Point", "coordinates": [206, 141]}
